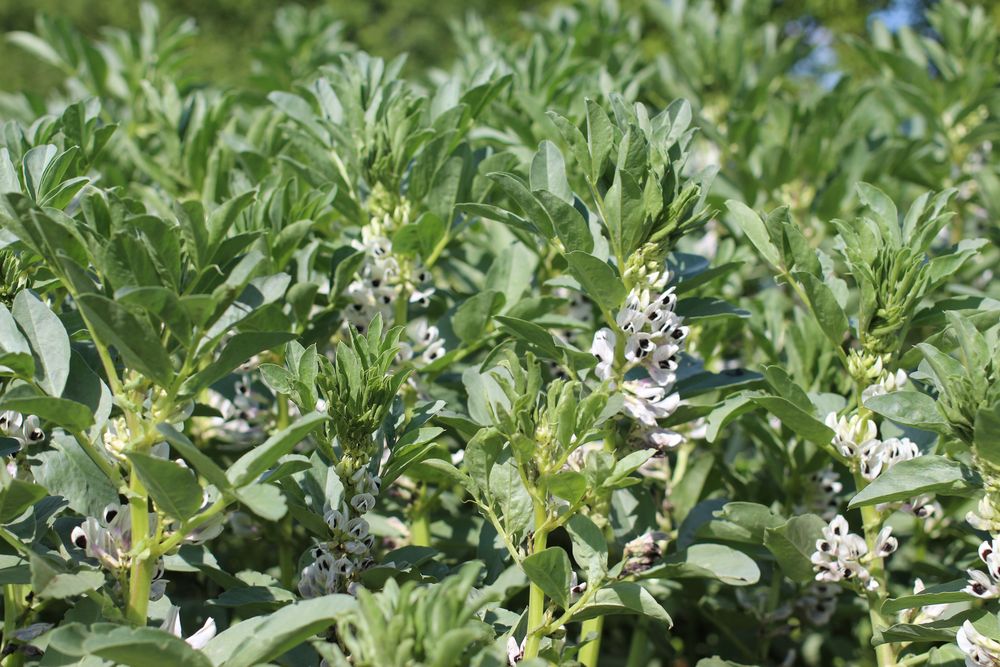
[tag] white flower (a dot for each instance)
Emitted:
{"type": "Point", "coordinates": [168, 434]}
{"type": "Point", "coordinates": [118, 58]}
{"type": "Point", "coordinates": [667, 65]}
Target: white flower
{"type": "Point", "coordinates": [887, 383]}
{"type": "Point", "coordinates": [26, 430]}
{"type": "Point", "coordinates": [647, 401]}
{"type": "Point", "coordinates": [819, 602]}
{"type": "Point", "coordinates": [927, 613]}
{"type": "Point", "coordinates": [172, 624]}
{"type": "Point", "coordinates": [363, 502]}
{"type": "Point", "coordinates": [985, 517]}
{"type": "Point", "coordinates": [851, 435]}
{"type": "Point", "coordinates": [885, 543]}
{"type": "Point", "coordinates": [515, 652]}
{"type": "Point", "coordinates": [821, 496]}
{"type": "Point", "coordinates": [979, 650]}
{"type": "Point", "coordinates": [603, 348]}
{"type": "Point", "coordinates": [840, 554]}
{"type": "Point", "coordinates": [984, 584]}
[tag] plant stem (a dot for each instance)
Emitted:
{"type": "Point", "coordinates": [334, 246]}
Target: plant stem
{"type": "Point", "coordinates": [286, 563]}
{"type": "Point", "coordinates": [884, 653]}
{"type": "Point", "coordinates": [11, 610]}
{"type": "Point", "coordinates": [638, 656]}
{"type": "Point", "coordinates": [591, 651]}
{"type": "Point", "coordinates": [536, 597]}
{"type": "Point", "coordinates": [141, 575]}
{"type": "Point", "coordinates": [420, 531]}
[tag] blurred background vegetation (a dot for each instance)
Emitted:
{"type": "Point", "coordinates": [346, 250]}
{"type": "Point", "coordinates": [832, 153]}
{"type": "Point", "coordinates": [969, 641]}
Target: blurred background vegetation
{"type": "Point", "coordinates": [230, 30]}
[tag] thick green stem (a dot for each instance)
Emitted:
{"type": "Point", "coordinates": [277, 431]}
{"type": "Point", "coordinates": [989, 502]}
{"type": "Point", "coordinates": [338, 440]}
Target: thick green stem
{"type": "Point", "coordinates": [420, 531]}
{"type": "Point", "coordinates": [11, 610]}
{"type": "Point", "coordinates": [536, 597]}
{"type": "Point", "coordinates": [286, 561]}
{"type": "Point", "coordinates": [885, 654]}
{"type": "Point", "coordinates": [591, 651]}
{"type": "Point", "coordinates": [143, 560]}
{"type": "Point", "coordinates": [638, 649]}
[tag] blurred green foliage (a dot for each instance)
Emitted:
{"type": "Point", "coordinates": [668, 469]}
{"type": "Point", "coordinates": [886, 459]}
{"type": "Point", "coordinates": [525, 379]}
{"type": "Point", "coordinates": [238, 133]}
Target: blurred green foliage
{"type": "Point", "coordinates": [230, 30]}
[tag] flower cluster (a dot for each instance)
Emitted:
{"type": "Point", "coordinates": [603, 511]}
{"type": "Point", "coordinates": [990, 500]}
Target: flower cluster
{"type": "Point", "coordinates": [108, 539]}
{"type": "Point", "coordinates": [244, 418]}
{"type": "Point", "coordinates": [857, 440]}
{"type": "Point", "coordinates": [842, 555]}
{"type": "Point", "coordinates": [338, 561]}
{"type": "Point", "coordinates": [819, 602]}
{"type": "Point", "coordinates": [384, 278]}
{"type": "Point", "coordinates": [822, 494]}
{"type": "Point", "coordinates": [653, 337]}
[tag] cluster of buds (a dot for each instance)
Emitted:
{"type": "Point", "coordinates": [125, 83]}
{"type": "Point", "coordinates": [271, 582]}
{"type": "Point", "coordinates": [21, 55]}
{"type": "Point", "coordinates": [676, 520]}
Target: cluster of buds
{"type": "Point", "coordinates": [842, 555]}
{"type": "Point", "coordinates": [653, 340]}
{"type": "Point", "coordinates": [347, 553]}
{"type": "Point", "coordinates": [872, 371]}
{"type": "Point", "coordinates": [857, 440]}
{"type": "Point", "coordinates": [108, 540]}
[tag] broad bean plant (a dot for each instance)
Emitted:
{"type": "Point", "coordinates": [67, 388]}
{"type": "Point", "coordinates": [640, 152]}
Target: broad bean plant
{"type": "Point", "coordinates": [660, 335]}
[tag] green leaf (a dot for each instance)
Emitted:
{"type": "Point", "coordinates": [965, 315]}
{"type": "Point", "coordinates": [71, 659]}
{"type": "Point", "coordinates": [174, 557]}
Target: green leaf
{"type": "Point", "coordinates": [910, 408]}
{"type": "Point", "coordinates": [16, 496]}
{"type": "Point", "coordinates": [600, 138]}
{"type": "Point", "coordinates": [241, 347]}
{"type": "Point", "coordinates": [624, 214]}
{"type": "Point", "coordinates": [624, 597]}
{"type": "Point", "coordinates": [550, 570]}
{"type": "Point", "coordinates": [60, 411]}
{"type": "Point", "coordinates": [568, 485]}
{"type": "Point", "coordinates": [795, 418]}
{"type": "Point", "coordinates": [941, 594]}
{"type": "Point", "coordinates": [924, 474]}
{"type": "Point", "coordinates": [829, 314]}
{"type": "Point", "coordinates": [50, 582]}
{"type": "Point", "coordinates": [205, 466]}
{"type": "Point", "coordinates": [261, 639]}
{"type": "Point", "coordinates": [473, 316]}
{"type": "Point", "coordinates": [569, 223]}
{"type": "Point", "coordinates": [708, 561]}
{"type": "Point", "coordinates": [48, 339]}
{"type": "Point", "coordinates": [548, 172]}
{"type": "Point", "coordinates": [173, 488]}
{"type": "Point", "coordinates": [793, 543]}
{"type": "Point", "coordinates": [986, 433]}
{"type": "Point", "coordinates": [124, 645]}
{"type": "Point", "coordinates": [535, 336]}
{"type": "Point", "coordinates": [590, 549]}
{"type": "Point", "coordinates": [264, 500]}
{"type": "Point", "coordinates": [697, 309]}
{"type": "Point", "coordinates": [252, 465]}
{"type": "Point", "coordinates": [598, 278]}
{"type": "Point", "coordinates": [134, 339]}
{"type": "Point", "coordinates": [67, 471]}
{"type": "Point", "coordinates": [755, 230]}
